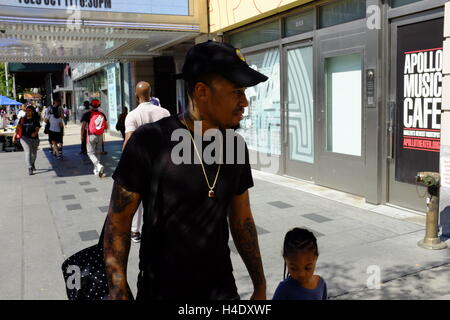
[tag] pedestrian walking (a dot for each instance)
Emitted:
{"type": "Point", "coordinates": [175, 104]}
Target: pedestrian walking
{"type": "Point", "coordinates": [66, 115]}
{"type": "Point", "coordinates": [27, 131]}
{"type": "Point", "coordinates": [120, 125]}
{"type": "Point", "coordinates": [300, 253]}
{"type": "Point", "coordinates": [147, 111]}
{"type": "Point", "coordinates": [22, 111]}
{"type": "Point", "coordinates": [83, 151]}
{"type": "Point", "coordinates": [189, 208]}
{"type": "Point", "coordinates": [95, 123]}
{"type": "Point", "coordinates": [55, 133]}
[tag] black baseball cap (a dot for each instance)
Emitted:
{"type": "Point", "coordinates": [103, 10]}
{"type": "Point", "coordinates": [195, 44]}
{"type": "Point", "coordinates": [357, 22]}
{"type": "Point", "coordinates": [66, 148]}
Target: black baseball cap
{"type": "Point", "coordinates": [221, 58]}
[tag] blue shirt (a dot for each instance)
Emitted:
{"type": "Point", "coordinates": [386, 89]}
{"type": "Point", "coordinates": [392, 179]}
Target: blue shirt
{"type": "Point", "coordinates": [290, 289]}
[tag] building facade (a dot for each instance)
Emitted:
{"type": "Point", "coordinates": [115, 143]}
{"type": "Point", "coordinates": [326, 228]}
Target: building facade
{"type": "Point", "coordinates": [353, 100]}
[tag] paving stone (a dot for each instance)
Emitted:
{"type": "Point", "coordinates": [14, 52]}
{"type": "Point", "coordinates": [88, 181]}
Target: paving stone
{"type": "Point", "coordinates": [84, 183]}
{"type": "Point", "coordinates": [280, 204]}
{"type": "Point", "coordinates": [261, 231]}
{"type": "Point", "coordinates": [316, 217]}
{"type": "Point", "coordinates": [104, 209]}
{"type": "Point", "coordinates": [90, 190]}
{"type": "Point", "coordinates": [68, 197]}
{"type": "Point", "coordinates": [72, 207]}
{"type": "Point", "coordinates": [89, 235]}
{"type": "Point", "coordinates": [60, 182]}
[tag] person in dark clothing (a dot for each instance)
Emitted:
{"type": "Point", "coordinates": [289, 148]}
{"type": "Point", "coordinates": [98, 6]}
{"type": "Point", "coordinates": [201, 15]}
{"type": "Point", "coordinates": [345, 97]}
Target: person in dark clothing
{"type": "Point", "coordinates": [84, 133]}
{"type": "Point", "coordinates": [120, 126]}
{"type": "Point", "coordinates": [190, 206]}
{"type": "Point", "coordinates": [30, 126]}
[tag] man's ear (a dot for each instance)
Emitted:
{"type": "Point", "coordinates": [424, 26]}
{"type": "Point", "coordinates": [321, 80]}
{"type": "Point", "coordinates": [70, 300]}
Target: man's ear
{"type": "Point", "coordinates": [201, 91]}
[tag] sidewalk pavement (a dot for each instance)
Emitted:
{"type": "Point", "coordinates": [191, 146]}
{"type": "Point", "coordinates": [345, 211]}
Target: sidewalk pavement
{"type": "Point", "coordinates": [47, 217]}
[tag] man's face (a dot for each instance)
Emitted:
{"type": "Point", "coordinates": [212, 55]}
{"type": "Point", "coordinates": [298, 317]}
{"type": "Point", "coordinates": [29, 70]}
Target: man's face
{"type": "Point", "coordinates": [226, 103]}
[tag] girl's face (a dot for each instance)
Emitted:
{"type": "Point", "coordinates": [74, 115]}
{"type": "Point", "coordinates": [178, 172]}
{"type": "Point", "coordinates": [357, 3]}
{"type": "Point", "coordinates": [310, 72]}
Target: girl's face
{"type": "Point", "coordinates": [301, 265]}
{"type": "Point", "coordinates": [29, 113]}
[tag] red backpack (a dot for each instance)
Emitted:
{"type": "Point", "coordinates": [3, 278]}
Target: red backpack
{"type": "Point", "coordinates": [97, 123]}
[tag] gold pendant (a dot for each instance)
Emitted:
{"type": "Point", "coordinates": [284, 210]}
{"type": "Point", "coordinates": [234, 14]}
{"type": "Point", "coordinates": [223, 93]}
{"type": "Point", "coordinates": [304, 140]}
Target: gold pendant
{"type": "Point", "coordinates": [211, 194]}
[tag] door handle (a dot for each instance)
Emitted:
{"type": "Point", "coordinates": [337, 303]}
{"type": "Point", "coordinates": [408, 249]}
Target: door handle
{"type": "Point", "coordinates": [391, 128]}
{"type": "Point", "coordinates": [286, 122]}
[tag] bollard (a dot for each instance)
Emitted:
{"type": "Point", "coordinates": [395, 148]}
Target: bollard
{"type": "Point", "coordinates": [431, 241]}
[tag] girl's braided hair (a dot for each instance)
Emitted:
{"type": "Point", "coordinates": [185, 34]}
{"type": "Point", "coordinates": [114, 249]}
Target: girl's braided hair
{"type": "Point", "coordinates": [296, 240]}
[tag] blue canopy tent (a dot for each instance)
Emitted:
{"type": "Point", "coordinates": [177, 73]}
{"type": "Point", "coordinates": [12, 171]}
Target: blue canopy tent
{"type": "Point", "coordinates": [5, 101]}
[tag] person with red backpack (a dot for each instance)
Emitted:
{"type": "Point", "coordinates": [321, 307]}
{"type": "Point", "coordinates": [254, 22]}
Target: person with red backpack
{"type": "Point", "coordinates": [96, 123]}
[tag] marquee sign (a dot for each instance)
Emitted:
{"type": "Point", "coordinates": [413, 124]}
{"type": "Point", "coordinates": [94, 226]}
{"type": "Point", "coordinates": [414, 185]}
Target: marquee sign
{"type": "Point", "coordinates": [170, 7]}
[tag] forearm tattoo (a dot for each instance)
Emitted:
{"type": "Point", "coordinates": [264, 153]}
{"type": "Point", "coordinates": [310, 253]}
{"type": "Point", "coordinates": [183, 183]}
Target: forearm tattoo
{"type": "Point", "coordinates": [246, 241]}
{"type": "Point", "coordinates": [116, 242]}
{"type": "Point", "coordinates": [120, 198]}
{"type": "Point", "coordinates": [116, 246]}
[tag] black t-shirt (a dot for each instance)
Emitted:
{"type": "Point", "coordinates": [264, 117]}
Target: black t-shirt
{"type": "Point", "coordinates": [184, 248]}
{"type": "Point", "coordinates": [29, 126]}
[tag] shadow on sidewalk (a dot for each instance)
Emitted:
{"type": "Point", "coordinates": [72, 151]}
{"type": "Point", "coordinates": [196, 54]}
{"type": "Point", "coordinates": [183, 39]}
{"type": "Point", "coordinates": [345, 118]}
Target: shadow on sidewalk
{"type": "Point", "coordinates": [73, 164]}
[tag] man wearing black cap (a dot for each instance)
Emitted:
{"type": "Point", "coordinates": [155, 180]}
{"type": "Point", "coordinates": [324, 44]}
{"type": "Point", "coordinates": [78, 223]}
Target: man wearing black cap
{"type": "Point", "coordinates": [189, 206]}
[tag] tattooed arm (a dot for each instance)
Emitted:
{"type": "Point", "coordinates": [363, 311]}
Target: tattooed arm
{"type": "Point", "coordinates": [116, 243]}
{"type": "Point", "coordinates": [245, 238]}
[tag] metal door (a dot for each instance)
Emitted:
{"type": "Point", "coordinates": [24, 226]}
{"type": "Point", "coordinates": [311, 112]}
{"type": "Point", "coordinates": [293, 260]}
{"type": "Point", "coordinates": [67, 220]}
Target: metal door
{"type": "Point", "coordinates": [340, 81]}
{"type": "Point", "coordinates": [413, 143]}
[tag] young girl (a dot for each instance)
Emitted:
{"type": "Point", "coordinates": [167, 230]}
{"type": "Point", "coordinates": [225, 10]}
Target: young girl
{"type": "Point", "coordinates": [300, 255]}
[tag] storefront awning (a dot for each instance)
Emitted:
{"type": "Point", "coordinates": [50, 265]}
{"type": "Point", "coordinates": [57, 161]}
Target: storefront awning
{"type": "Point", "coordinates": [75, 31]}
{"type": "Point", "coordinates": [32, 43]}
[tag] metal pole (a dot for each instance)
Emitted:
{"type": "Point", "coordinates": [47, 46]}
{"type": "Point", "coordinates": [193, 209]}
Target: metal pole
{"type": "Point", "coordinates": [6, 76]}
{"type": "Point", "coordinates": [14, 86]}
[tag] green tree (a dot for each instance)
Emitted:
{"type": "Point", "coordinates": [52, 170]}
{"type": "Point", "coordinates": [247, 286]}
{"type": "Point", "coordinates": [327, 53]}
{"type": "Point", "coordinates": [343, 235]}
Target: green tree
{"type": "Point", "coordinates": [3, 90]}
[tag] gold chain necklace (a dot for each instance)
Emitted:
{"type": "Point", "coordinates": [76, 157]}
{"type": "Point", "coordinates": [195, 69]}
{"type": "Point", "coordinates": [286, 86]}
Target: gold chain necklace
{"type": "Point", "coordinates": [211, 193]}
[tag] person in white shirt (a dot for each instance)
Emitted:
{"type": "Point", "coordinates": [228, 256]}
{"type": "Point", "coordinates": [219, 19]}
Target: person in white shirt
{"type": "Point", "coordinates": [56, 131]}
{"type": "Point", "coordinates": [22, 112]}
{"type": "Point", "coordinates": [147, 111]}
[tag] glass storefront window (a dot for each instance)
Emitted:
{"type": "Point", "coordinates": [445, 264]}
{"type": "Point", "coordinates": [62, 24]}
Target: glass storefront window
{"type": "Point", "coordinates": [300, 23]}
{"type": "Point", "coordinates": [261, 34]}
{"type": "Point", "coordinates": [399, 3]}
{"type": "Point", "coordinates": [261, 126]}
{"type": "Point", "coordinates": [104, 85]}
{"type": "Point", "coordinates": [344, 104]}
{"type": "Point", "coordinates": [341, 12]}
{"type": "Point", "coordinates": [300, 107]}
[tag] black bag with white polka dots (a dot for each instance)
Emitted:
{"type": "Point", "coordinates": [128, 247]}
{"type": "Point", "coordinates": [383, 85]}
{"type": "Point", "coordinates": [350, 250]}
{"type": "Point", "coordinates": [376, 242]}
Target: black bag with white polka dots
{"type": "Point", "coordinates": [84, 274]}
